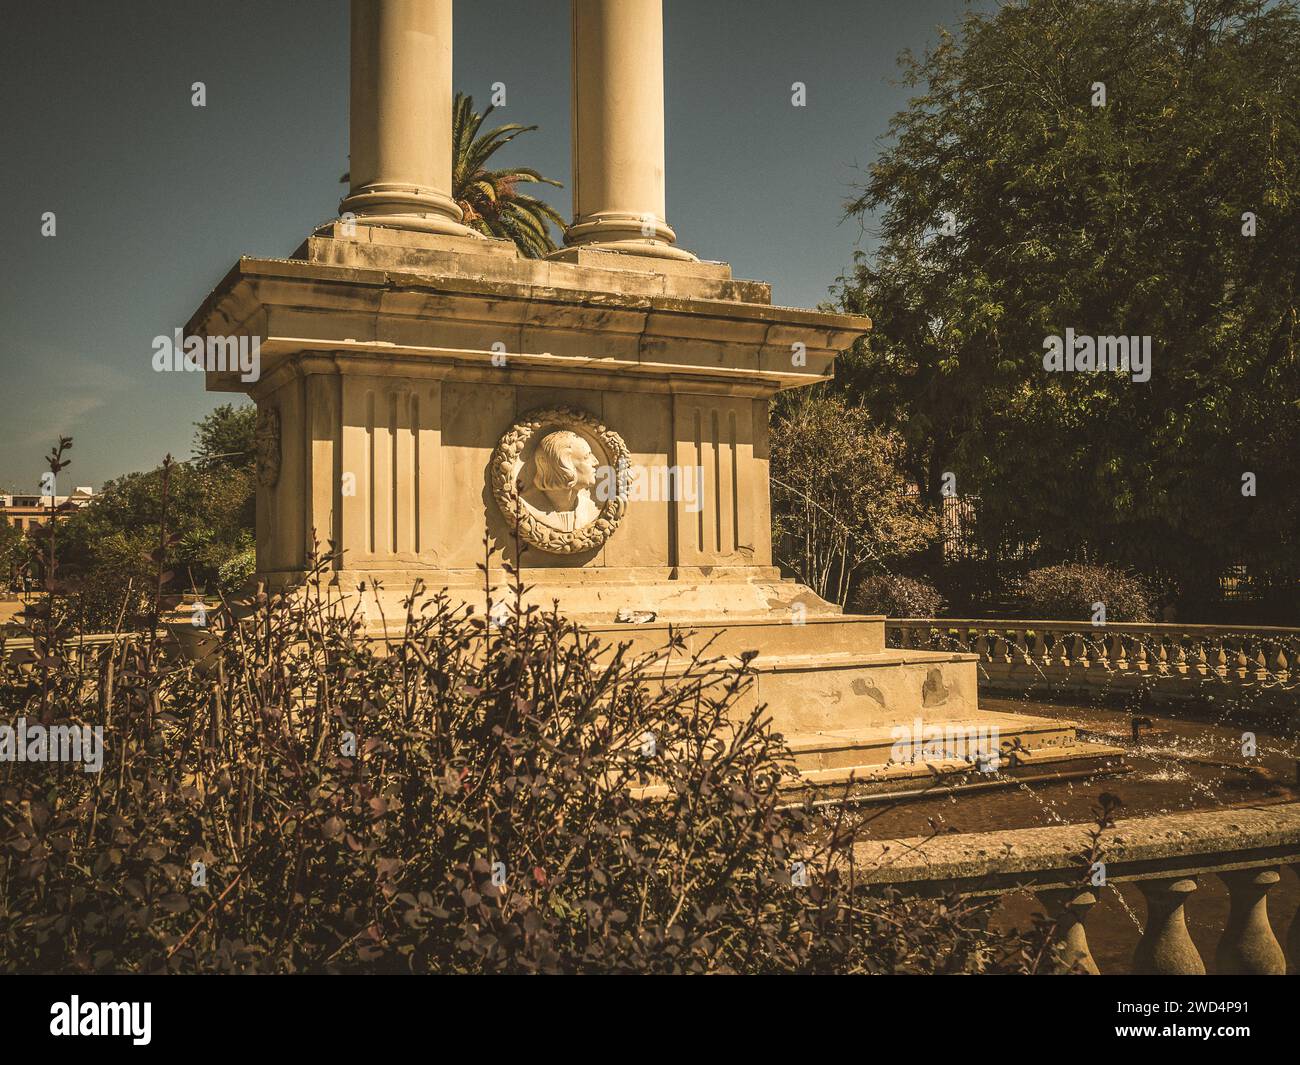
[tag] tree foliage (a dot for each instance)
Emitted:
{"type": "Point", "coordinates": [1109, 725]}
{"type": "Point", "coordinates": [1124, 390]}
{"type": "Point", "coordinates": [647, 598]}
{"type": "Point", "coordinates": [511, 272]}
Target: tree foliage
{"type": "Point", "coordinates": [840, 505]}
{"type": "Point", "coordinates": [1122, 219]}
{"type": "Point", "coordinates": [107, 546]}
{"type": "Point", "coordinates": [13, 551]}
{"type": "Point", "coordinates": [897, 597]}
{"type": "Point", "coordinates": [1070, 593]}
{"type": "Point", "coordinates": [491, 199]}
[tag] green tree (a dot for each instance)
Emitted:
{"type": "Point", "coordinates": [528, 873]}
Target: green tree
{"type": "Point", "coordinates": [491, 199]}
{"type": "Point", "coordinates": [105, 547]}
{"type": "Point", "coordinates": [14, 550]}
{"type": "Point", "coordinates": [227, 436]}
{"type": "Point", "coordinates": [840, 505]}
{"type": "Point", "coordinates": [1015, 200]}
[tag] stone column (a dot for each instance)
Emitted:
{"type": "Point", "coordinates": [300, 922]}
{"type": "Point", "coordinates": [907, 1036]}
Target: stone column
{"type": "Point", "coordinates": [400, 120]}
{"type": "Point", "coordinates": [618, 129]}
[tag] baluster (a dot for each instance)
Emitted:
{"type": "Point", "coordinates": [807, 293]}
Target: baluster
{"type": "Point", "coordinates": [1117, 652]}
{"type": "Point", "coordinates": [1088, 652]}
{"type": "Point", "coordinates": [1248, 946]}
{"type": "Point", "coordinates": [1053, 652]}
{"type": "Point", "coordinates": [1053, 656]}
{"type": "Point", "coordinates": [1020, 649]}
{"type": "Point", "coordinates": [1180, 657]}
{"type": "Point", "coordinates": [1165, 948]}
{"type": "Point", "coordinates": [1280, 665]}
{"type": "Point", "coordinates": [1038, 650]}
{"type": "Point", "coordinates": [1221, 660]}
{"type": "Point", "coordinates": [1197, 660]}
{"type": "Point", "coordinates": [1081, 651]}
{"type": "Point", "coordinates": [1162, 658]}
{"type": "Point", "coordinates": [1078, 650]}
{"type": "Point", "coordinates": [1242, 662]}
{"type": "Point", "coordinates": [1293, 937]}
{"type": "Point", "coordinates": [1261, 663]}
{"type": "Point", "coordinates": [1069, 908]}
{"type": "Point", "coordinates": [1100, 666]}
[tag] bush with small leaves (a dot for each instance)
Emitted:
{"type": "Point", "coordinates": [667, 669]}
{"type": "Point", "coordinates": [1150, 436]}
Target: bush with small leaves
{"type": "Point", "coordinates": [1069, 592]}
{"type": "Point", "coordinates": [897, 597]}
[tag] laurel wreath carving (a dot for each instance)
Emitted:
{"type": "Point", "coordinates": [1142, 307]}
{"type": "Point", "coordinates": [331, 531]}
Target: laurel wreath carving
{"type": "Point", "coordinates": [504, 479]}
{"type": "Point", "coordinates": [267, 443]}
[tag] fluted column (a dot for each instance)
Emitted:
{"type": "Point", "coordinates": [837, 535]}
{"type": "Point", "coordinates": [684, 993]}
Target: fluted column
{"type": "Point", "coordinates": [618, 129]}
{"type": "Point", "coordinates": [1069, 908]}
{"type": "Point", "coordinates": [1248, 945]}
{"type": "Point", "coordinates": [1166, 949]}
{"type": "Point", "coordinates": [400, 119]}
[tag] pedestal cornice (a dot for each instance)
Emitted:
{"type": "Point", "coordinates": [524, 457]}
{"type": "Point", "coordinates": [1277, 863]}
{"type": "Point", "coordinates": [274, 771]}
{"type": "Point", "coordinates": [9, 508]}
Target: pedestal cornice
{"type": "Point", "coordinates": [471, 310]}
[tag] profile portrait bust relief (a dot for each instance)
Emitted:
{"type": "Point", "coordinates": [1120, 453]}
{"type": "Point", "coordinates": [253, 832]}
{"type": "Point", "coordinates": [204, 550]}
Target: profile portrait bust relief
{"type": "Point", "coordinates": [563, 480]}
{"type": "Point", "coordinates": [552, 477]}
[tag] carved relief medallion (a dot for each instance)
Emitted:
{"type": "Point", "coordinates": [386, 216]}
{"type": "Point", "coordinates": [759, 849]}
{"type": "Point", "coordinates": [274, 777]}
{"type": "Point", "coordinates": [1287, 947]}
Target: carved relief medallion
{"type": "Point", "coordinates": [267, 437]}
{"type": "Point", "coordinates": [562, 475]}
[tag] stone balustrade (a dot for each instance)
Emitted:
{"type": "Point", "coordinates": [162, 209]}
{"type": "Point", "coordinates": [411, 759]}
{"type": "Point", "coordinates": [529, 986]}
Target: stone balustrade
{"type": "Point", "coordinates": [1167, 857]}
{"type": "Point", "coordinates": [80, 652]}
{"type": "Point", "coordinates": [1170, 661]}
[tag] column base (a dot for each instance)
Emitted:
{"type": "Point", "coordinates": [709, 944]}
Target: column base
{"type": "Point", "coordinates": [379, 246]}
{"type": "Point", "coordinates": [623, 233]}
{"type": "Point", "coordinates": [639, 258]}
{"type": "Point", "coordinates": [406, 207]}
{"type": "Point", "coordinates": [653, 249]}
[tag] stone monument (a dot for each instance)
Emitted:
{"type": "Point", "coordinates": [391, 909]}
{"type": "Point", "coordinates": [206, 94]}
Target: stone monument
{"type": "Point", "coordinates": [422, 384]}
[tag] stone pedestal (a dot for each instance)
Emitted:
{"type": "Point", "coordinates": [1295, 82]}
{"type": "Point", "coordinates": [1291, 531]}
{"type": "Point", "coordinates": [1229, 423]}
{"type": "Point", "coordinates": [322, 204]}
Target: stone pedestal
{"type": "Point", "coordinates": [397, 367]}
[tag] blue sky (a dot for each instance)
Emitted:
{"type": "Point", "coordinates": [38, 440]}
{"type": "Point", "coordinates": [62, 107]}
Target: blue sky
{"type": "Point", "coordinates": [155, 199]}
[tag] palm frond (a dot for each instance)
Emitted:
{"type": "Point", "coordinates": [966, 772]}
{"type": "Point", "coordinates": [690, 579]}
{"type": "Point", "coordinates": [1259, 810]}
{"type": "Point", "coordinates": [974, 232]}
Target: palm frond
{"type": "Point", "coordinates": [490, 198]}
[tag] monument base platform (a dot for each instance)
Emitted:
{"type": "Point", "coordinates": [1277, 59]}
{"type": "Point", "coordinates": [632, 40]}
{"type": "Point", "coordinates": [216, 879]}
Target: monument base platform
{"type": "Point", "coordinates": [853, 711]}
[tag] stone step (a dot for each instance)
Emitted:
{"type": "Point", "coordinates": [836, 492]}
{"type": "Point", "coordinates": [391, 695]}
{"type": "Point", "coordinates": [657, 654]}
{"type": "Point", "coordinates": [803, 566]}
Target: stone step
{"type": "Point", "coordinates": [806, 693]}
{"type": "Point", "coordinates": [927, 739]}
{"type": "Point", "coordinates": [929, 749]}
{"type": "Point", "coordinates": [1083, 759]}
{"type": "Point", "coordinates": [773, 634]}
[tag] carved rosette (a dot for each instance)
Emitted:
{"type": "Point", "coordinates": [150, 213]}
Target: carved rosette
{"type": "Point", "coordinates": [511, 456]}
